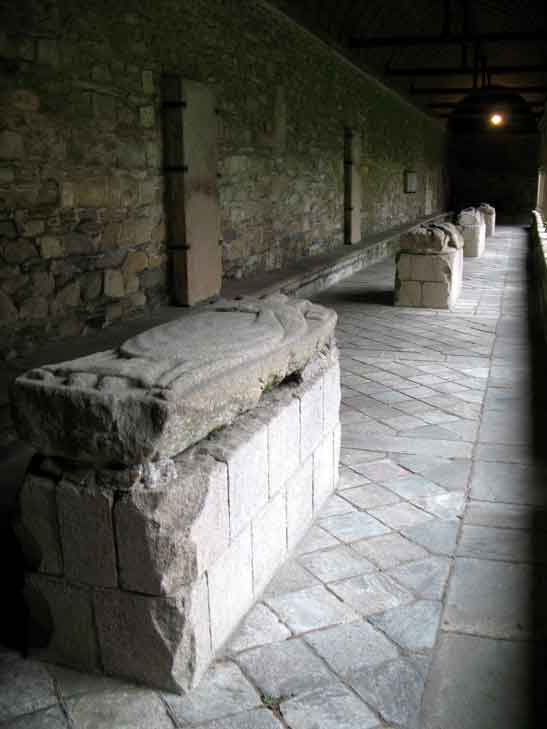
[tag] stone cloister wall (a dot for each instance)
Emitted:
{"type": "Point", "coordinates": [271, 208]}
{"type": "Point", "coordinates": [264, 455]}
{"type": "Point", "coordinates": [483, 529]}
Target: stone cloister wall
{"type": "Point", "coordinates": [82, 228]}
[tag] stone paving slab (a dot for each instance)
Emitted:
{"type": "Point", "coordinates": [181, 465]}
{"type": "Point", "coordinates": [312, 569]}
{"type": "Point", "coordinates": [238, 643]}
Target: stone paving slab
{"type": "Point", "coordinates": [477, 682]}
{"type": "Point", "coordinates": [492, 599]}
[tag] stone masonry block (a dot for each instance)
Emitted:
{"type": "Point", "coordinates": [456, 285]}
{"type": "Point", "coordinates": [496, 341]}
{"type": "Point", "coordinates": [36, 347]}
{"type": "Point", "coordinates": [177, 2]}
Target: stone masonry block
{"type": "Point", "coordinates": [323, 472]}
{"type": "Point", "coordinates": [161, 642]}
{"type": "Point", "coordinates": [337, 438]}
{"type": "Point", "coordinates": [431, 267]}
{"type": "Point", "coordinates": [331, 396]}
{"type": "Point", "coordinates": [169, 533]}
{"type": "Point", "coordinates": [473, 228]}
{"type": "Point", "coordinates": [269, 541]}
{"type": "Point", "coordinates": [281, 411]}
{"type": "Point", "coordinates": [437, 280]}
{"type": "Point", "coordinates": [489, 215]}
{"type": "Point", "coordinates": [436, 295]}
{"type": "Point", "coordinates": [408, 293]}
{"type": "Point", "coordinates": [404, 266]}
{"type": "Point", "coordinates": [231, 588]}
{"type": "Point", "coordinates": [61, 625]}
{"type": "Point", "coordinates": [37, 526]}
{"type": "Point", "coordinates": [244, 448]}
{"type": "Point", "coordinates": [311, 418]}
{"type": "Point", "coordinates": [87, 535]}
{"type": "Point", "coordinates": [475, 240]}
{"type": "Point", "coordinates": [299, 503]}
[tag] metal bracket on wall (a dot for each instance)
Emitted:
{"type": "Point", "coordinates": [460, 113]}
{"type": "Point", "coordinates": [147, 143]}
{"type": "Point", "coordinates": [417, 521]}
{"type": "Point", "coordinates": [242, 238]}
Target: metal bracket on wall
{"type": "Point", "coordinates": [178, 247]}
{"type": "Point", "coordinates": [175, 168]}
{"type": "Point", "coordinates": [174, 104]}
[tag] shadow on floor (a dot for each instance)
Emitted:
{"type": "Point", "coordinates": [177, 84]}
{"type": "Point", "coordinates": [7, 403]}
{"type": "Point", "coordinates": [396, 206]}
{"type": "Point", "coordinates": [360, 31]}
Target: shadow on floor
{"type": "Point", "coordinates": [13, 626]}
{"type": "Point", "coordinates": [537, 328]}
{"type": "Point", "coordinates": [380, 297]}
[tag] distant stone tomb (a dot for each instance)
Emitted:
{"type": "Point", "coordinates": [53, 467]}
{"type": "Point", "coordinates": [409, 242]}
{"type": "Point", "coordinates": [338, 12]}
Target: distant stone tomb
{"type": "Point", "coordinates": [489, 215]}
{"type": "Point", "coordinates": [174, 476]}
{"type": "Point", "coordinates": [429, 267]}
{"type": "Point", "coordinates": [473, 228]}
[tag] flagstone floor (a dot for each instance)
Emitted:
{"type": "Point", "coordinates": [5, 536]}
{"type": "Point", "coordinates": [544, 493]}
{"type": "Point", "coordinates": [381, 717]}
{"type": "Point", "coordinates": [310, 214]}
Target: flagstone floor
{"type": "Point", "coordinates": [417, 599]}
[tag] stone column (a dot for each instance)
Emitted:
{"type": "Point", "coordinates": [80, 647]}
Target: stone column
{"type": "Point", "coordinates": [473, 229]}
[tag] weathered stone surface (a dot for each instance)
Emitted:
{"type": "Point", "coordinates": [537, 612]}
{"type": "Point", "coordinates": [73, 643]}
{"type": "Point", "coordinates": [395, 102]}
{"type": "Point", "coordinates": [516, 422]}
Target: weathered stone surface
{"type": "Point", "coordinates": [331, 706]}
{"type": "Point", "coordinates": [164, 390]}
{"type": "Point", "coordinates": [284, 669]}
{"type": "Point", "coordinates": [128, 707]}
{"type": "Point", "coordinates": [283, 416]}
{"type": "Point", "coordinates": [473, 228]}
{"type": "Point", "coordinates": [37, 527]}
{"type": "Point", "coordinates": [454, 233]}
{"type": "Point", "coordinates": [169, 534]}
{"type": "Point", "coordinates": [178, 582]}
{"type": "Point", "coordinates": [323, 472]}
{"type": "Point", "coordinates": [231, 588]}
{"type": "Point", "coordinates": [87, 535]}
{"type": "Point", "coordinates": [269, 541]}
{"type": "Point", "coordinates": [8, 311]}
{"type": "Point", "coordinates": [244, 449]}
{"type": "Point", "coordinates": [311, 609]}
{"type": "Point", "coordinates": [413, 627]}
{"type": "Point", "coordinates": [260, 627]}
{"type": "Point", "coordinates": [430, 239]}
{"type": "Point", "coordinates": [311, 418]}
{"type": "Point", "coordinates": [162, 642]}
{"type": "Point", "coordinates": [352, 647]}
{"type": "Point", "coordinates": [408, 293]}
{"type": "Point", "coordinates": [394, 689]}
{"type": "Point", "coordinates": [26, 687]}
{"type": "Point", "coordinates": [299, 503]}
{"type": "Point", "coordinates": [489, 215]}
{"type": "Point", "coordinates": [429, 280]}
{"type": "Point", "coordinates": [223, 691]}
{"type": "Point", "coordinates": [61, 625]}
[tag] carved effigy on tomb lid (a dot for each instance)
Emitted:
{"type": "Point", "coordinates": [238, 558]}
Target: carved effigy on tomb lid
{"type": "Point", "coordinates": [167, 388]}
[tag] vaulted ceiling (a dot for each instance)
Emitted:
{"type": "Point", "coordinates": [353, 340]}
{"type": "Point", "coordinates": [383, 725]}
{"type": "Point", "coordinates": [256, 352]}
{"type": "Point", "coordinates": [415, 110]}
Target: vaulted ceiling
{"type": "Point", "coordinates": [438, 51]}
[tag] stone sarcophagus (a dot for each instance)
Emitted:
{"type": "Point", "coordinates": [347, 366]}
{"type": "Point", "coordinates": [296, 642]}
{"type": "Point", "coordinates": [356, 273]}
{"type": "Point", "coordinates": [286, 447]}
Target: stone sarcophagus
{"type": "Point", "coordinates": [472, 225]}
{"type": "Point", "coordinates": [429, 267]}
{"type": "Point", "coordinates": [174, 476]}
{"type": "Point", "coordinates": [489, 215]}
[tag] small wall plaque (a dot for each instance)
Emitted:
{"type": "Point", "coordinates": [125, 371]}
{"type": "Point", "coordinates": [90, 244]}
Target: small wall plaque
{"type": "Point", "coordinates": [411, 181]}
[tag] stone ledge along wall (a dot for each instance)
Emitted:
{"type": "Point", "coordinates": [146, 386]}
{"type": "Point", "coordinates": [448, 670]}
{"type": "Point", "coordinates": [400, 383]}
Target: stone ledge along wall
{"type": "Point", "coordinates": [82, 227]}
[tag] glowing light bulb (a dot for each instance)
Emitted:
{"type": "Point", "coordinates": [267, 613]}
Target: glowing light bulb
{"type": "Point", "coordinates": [496, 120]}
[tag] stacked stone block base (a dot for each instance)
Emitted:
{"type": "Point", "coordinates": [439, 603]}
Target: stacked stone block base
{"type": "Point", "coordinates": [143, 572]}
{"type": "Point", "coordinates": [431, 281]}
{"type": "Point", "coordinates": [429, 267]}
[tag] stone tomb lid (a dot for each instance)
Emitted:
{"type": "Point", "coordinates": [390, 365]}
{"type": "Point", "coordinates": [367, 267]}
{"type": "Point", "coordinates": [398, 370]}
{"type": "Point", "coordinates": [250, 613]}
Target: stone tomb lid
{"type": "Point", "coordinates": [470, 217]}
{"type": "Point", "coordinates": [167, 388]}
{"type": "Point", "coordinates": [431, 238]}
